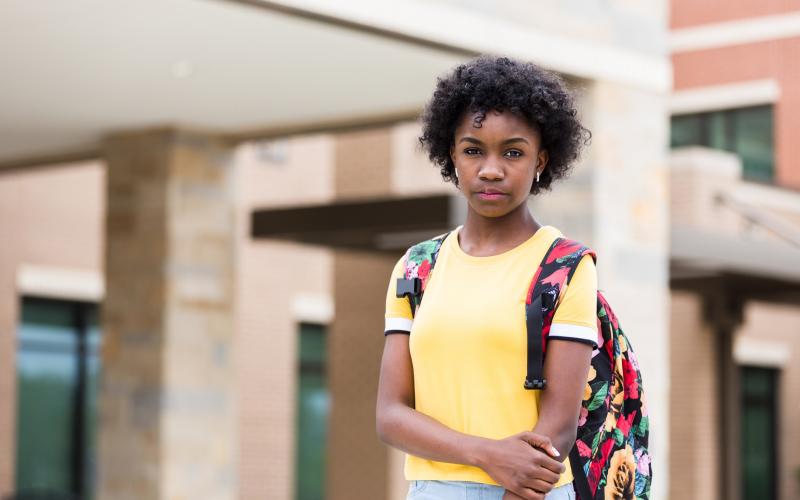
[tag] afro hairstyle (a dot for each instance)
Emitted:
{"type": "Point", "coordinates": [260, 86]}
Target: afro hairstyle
{"type": "Point", "coordinates": [489, 83]}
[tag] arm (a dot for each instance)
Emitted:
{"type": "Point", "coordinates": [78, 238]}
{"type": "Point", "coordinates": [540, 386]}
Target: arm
{"type": "Point", "coordinates": [515, 462]}
{"type": "Point", "coordinates": [402, 427]}
{"type": "Point", "coordinates": [569, 353]}
{"type": "Point", "coordinates": [566, 369]}
{"type": "Point", "coordinates": [566, 366]}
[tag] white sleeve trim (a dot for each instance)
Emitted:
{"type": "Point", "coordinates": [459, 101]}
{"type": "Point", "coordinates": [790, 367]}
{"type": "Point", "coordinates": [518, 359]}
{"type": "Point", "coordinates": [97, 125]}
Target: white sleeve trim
{"type": "Point", "coordinates": [403, 324]}
{"type": "Point", "coordinates": [568, 330]}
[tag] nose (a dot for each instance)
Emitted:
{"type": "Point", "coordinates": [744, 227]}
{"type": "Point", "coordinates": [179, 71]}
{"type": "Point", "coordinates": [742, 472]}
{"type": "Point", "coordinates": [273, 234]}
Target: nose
{"type": "Point", "coordinates": [491, 170]}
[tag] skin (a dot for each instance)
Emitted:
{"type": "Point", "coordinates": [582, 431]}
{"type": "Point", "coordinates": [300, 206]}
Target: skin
{"type": "Point", "coordinates": [503, 154]}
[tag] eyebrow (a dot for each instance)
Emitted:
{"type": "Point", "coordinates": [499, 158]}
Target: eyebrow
{"type": "Point", "coordinates": [473, 140]}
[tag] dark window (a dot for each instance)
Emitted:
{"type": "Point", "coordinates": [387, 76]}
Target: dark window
{"type": "Point", "coordinates": [747, 132]}
{"type": "Point", "coordinates": [57, 373]}
{"type": "Point", "coordinates": [312, 413]}
{"type": "Point", "coordinates": [759, 430]}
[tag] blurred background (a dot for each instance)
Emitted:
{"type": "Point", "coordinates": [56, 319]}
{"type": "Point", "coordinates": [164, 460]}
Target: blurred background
{"type": "Point", "coordinates": [201, 202]}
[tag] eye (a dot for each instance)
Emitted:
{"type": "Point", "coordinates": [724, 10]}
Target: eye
{"type": "Point", "coordinates": [471, 151]}
{"type": "Point", "coordinates": [513, 153]}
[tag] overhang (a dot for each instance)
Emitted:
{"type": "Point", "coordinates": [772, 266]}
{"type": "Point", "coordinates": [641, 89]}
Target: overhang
{"type": "Point", "coordinates": [702, 260]}
{"type": "Point", "coordinates": [76, 71]}
{"type": "Point", "coordinates": [380, 224]}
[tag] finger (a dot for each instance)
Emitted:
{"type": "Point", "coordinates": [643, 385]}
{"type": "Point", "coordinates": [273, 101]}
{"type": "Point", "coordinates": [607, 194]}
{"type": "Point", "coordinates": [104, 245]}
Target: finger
{"type": "Point", "coordinates": [539, 485]}
{"type": "Point", "coordinates": [550, 463]}
{"type": "Point", "coordinates": [542, 442]}
{"type": "Point", "coordinates": [544, 475]}
{"type": "Point", "coordinates": [529, 494]}
{"type": "Point", "coordinates": [553, 465]}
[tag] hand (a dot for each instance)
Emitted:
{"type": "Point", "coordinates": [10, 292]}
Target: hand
{"type": "Point", "coordinates": [522, 464]}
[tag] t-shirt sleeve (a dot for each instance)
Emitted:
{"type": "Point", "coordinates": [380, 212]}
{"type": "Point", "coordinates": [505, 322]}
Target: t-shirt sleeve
{"type": "Point", "coordinates": [576, 314]}
{"type": "Point", "coordinates": [398, 311]}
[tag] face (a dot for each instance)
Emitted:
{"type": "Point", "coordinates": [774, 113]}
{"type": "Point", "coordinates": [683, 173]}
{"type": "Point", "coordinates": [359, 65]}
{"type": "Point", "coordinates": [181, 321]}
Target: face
{"type": "Point", "coordinates": [496, 162]}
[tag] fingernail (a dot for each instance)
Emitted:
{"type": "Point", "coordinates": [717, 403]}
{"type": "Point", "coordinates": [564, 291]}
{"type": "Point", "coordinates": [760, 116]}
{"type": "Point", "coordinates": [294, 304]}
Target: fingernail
{"type": "Point", "coordinates": [555, 451]}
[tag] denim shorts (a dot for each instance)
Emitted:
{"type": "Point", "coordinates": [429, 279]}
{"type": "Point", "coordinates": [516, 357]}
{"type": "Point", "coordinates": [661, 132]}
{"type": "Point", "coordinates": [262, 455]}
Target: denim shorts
{"type": "Point", "coordinates": [465, 490]}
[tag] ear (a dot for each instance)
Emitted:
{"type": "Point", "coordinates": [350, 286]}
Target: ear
{"type": "Point", "coordinates": [542, 159]}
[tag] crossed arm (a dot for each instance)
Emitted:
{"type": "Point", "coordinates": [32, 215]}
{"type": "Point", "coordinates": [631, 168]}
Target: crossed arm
{"type": "Point", "coordinates": [527, 464]}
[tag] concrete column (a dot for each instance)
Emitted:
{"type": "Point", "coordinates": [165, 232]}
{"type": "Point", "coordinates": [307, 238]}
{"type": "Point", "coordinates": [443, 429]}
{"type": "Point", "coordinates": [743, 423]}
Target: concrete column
{"type": "Point", "coordinates": [167, 409]}
{"type": "Point", "coordinates": [357, 460]}
{"type": "Point", "coordinates": [724, 314]}
{"type": "Point", "coordinates": [630, 232]}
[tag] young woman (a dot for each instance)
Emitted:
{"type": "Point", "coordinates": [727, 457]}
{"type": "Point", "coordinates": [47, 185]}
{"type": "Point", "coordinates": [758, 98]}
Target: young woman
{"type": "Point", "coordinates": [450, 393]}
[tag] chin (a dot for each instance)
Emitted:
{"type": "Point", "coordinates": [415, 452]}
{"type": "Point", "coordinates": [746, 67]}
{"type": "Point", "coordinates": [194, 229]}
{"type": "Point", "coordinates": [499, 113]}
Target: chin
{"type": "Point", "coordinates": [491, 212]}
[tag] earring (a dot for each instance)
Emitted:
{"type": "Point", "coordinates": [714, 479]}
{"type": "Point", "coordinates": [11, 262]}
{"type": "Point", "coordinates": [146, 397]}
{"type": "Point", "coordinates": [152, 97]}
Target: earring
{"type": "Point", "coordinates": [456, 172]}
{"type": "Point", "coordinates": [537, 176]}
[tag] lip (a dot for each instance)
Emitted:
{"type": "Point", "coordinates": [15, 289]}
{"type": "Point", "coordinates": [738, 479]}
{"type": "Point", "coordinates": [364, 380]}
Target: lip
{"type": "Point", "coordinates": [491, 194]}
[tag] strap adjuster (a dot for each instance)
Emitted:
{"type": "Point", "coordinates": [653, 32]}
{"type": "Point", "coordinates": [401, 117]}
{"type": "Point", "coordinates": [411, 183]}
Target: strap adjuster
{"type": "Point", "coordinates": [406, 286]}
{"type": "Point", "coordinates": [535, 384]}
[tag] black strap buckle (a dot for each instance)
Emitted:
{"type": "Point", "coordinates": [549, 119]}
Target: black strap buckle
{"type": "Point", "coordinates": [534, 322]}
{"type": "Point", "coordinates": [410, 288]}
{"type": "Point", "coordinates": [535, 384]}
{"type": "Point", "coordinates": [406, 286]}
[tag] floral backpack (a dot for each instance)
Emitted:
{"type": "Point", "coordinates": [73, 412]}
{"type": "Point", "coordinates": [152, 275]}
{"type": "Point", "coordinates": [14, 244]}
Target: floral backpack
{"type": "Point", "coordinates": [610, 458]}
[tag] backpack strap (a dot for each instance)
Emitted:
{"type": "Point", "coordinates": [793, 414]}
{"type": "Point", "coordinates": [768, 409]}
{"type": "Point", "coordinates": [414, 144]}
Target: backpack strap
{"type": "Point", "coordinates": [418, 265]}
{"type": "Point", "coordinates": [579, 480]}
{"type": "Point", "coordinates": [554, 273]}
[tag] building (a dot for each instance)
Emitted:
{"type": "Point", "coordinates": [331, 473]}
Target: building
{"type": "Point", "coordinates": [199, 236]}
{"type": "Point", "coordinates": [735, 243]}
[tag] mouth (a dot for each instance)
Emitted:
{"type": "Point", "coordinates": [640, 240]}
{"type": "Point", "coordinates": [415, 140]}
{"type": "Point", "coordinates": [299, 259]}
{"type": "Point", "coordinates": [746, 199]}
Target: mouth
{"type": "Point", "coordinates": [491, 195]}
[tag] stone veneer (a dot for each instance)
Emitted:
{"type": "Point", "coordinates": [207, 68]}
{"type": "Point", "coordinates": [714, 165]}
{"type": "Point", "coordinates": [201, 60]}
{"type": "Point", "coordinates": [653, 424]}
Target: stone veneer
{"type": "Point", "coordinates": [167, 402]}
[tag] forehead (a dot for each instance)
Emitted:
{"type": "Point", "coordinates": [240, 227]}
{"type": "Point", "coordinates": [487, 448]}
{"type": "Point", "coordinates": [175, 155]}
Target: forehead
{"type": "Point", "coordinates": [499, 123]}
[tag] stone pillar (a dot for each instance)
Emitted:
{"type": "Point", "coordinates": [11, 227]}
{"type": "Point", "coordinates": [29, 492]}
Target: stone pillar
{"type": "Point", "coordinates": [167, 409]}
{"type": "Point", "coordinates": [630, 232]}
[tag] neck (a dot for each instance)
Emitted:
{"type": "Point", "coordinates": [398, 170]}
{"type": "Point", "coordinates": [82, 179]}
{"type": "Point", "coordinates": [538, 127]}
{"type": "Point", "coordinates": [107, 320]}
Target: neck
{"type": "Point", "coordinates": [488, 235]}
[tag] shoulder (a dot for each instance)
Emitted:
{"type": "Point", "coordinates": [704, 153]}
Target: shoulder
{"type": "Point", "coordinates": [565, 250]}
{"type": "Point", "coordinates": [426, 249]}
{"type": "Point", "coordinates": [419, 258]}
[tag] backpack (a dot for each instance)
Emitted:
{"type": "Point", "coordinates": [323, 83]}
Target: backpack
{"type": "Point", "coordinates": [610, 457]}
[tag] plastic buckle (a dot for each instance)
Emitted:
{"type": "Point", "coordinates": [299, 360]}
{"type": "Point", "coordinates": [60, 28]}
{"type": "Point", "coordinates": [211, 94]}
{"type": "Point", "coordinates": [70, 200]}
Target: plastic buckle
{"type": "Point", "coordinates": [411, 287]}
{"type": "Point", "coordinates": [535, 384]}
{"type": "Point", "coordinates": [549, 298]}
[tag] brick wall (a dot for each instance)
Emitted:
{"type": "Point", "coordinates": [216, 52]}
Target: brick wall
{"type": "Point", "coordinates": [693, 409]}
{"type": "Point", "coordinates": [48, 217]}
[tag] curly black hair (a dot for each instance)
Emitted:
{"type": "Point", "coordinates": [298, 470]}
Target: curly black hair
{"type": "Point", "coordinates": [498, 83]}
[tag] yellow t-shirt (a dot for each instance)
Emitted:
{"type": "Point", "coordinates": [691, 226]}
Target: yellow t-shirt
{"type": "Point", "coordinates": [468, 342]}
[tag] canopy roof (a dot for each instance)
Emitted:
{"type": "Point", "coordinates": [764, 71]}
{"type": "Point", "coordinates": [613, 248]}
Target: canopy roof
{"type": "Point", "coordinates": [75, 71]}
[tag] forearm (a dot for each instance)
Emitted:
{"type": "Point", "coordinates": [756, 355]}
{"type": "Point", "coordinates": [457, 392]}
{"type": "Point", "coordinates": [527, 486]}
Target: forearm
{"type": "Point", "coordinates": [566, 369]}
{"type": "Point", "coordinates": [562, 434]}
{"type": "Point", "coordinates": [408, 430]}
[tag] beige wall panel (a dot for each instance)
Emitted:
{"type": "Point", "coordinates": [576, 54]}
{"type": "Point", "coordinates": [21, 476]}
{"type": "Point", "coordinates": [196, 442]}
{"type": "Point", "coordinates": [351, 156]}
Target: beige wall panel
{"type": "Point", "coordinates": [286, 171]}
{"type": "Point", "coordinates": [363, 160]}
{"type": "Point", "coordinates": [413, 174]}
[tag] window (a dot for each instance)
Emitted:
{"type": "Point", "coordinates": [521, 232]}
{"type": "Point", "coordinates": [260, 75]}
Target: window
{"type": "Point", "coordinates": [758, 433]}
{"type": "Point", "coordinates": [57, 372]}
{"type": "Point", "coordinates": [312, 413]}
{"type": "Point", "coordinates": [747, 132]}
